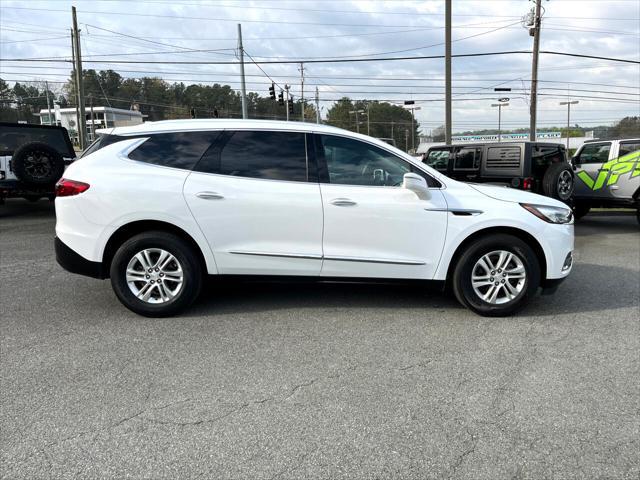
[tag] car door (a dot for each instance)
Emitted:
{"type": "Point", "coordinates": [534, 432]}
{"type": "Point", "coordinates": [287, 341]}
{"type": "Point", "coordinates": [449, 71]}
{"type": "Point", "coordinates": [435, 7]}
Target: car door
{"type": "Point", "coordinates": [627, 179]}
{"type": "Point", "coordinates": [466, 163]}
{"type": "Point", "coordinates": [590, 176]}
{"type": "Point", "coordinates": [373, 227]}
{"type": "Point", "coordinates": [257, 200]}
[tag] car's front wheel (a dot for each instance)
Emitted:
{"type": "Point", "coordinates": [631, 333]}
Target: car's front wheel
{"type": "Point", "coordinates": [156, 274]}
{"type": "Point", "coordinates": [496, 275]}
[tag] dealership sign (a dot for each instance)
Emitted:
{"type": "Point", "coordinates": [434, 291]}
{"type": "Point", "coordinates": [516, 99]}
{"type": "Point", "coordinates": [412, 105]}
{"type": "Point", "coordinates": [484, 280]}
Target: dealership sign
{"type": "Point", "coordinates": [504, 136]}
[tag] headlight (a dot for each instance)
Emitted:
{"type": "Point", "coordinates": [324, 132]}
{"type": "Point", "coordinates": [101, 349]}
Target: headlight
{"type": "Point", "coordinates": [550, 214]}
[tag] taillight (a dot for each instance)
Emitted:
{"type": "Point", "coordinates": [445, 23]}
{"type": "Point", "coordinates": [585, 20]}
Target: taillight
{"type": "Point", "coordinates": [527, 183]}
{"type": "Point", "coordinates": [67, 188]}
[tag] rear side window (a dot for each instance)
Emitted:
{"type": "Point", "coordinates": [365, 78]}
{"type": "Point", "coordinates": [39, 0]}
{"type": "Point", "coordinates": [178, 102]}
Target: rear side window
{"type": "Point", "coordinates": [258, 154]}
{"type": "Point", "coordinates": [467, 158]}
{"type": "Point", "coordinates": [629, 147]}
{"type": "Point", "coordinates": [503, 157]}
{"type": "Point", "coordinates": [101, 142]}
{"type": "Point", "coordinates": [175, 150]}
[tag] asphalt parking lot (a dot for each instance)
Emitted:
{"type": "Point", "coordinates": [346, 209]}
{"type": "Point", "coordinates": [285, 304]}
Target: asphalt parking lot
{"type": "Point", "coordinates": [318, 381]}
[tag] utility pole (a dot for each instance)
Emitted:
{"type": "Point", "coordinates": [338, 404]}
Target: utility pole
{"type": "Point", "coordinates": [368, 118]}
{"type": "Point", "coordinates": [568, 104]}
{"type": "Point", "coordinates": [82, 119]}
{"type": "Point", "coordinates": [93, 123]}
{"type": "Point", "coordinates": [46, 86]}
{"type": "Point", "coordinates": [286, 104]}
{"type": "Point", "coordinates": [357, 121]}
{"type": "Point", "coordinates": [406, 140]}
{"type": "Point", "coordinates": [500, 105]}
{"type": "Point", "coordinates": [302, 90]}
{"type": "Point", "coordinates": [243, 86]}
{"type": "Point", "coordinates": [317, 106]}
{"type": "Point", "coordinates": [534, 71]}
{"type": "Point", "coordinates": [447, 72]}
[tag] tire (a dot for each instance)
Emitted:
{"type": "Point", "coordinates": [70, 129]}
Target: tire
{"type": "Point", "coordinates": [558, 182]}
{"type": "Point", "coordinates": [524, 280]}
{"type": "Point", "coordinates": [37, 163]}
{"type": "Point", "coordinates": [164, 298]}
{"type": "Point", "coordinates": [580, 209]}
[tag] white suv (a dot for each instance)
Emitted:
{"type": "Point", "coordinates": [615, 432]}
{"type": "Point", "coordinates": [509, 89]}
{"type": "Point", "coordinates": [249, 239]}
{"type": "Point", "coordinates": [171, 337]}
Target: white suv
{"type": "Point", "coordinates": [158, 206]}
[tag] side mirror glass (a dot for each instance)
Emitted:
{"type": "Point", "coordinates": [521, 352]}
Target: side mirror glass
{"type": "Point", "coordinates": [417, 184]}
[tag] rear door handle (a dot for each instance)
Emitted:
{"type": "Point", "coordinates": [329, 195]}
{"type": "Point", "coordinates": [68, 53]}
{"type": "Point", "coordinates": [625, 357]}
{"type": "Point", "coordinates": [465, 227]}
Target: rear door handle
{"type": "Point", "coordinates": [343, 202]}
{"type": "Point", "coordinates": [210, 195]}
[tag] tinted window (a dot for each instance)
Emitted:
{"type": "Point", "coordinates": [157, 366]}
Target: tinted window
{"type": "Point", "coordinates": [101, 142]}
{"type": "Point", "coordinates": [467, 158]}
{"type": "Point", "coordinates": [628, 147]}
{"type": "Point", "coordinates": [594, 153]}
{"type": "Point", "coordinates": [438, 159]}
{"type": "Point", "coordinates": [258, 154]}
{"type": "Point", "coordinates": [176, 150]}
{"type": "Point", "coordinates": [12, 136]}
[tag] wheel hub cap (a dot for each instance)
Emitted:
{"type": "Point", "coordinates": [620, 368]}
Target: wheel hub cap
{"type": "Point", "coordinates": [498, 277]}
{"type": "Point", "coordinates": [565, 184]}
{"type": "Point", "coordinates": [154, 275]}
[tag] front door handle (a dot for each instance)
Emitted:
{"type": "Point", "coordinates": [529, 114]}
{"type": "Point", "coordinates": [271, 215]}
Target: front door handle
{"type": "Point", "coordinates": [343, 202]}
{"type": "Point", "coordinates": [210, 195]}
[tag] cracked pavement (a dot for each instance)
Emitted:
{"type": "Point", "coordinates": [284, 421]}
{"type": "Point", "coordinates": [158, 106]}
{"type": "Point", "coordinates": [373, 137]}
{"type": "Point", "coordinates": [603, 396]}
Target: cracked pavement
{"type": "Point", "coordinates": [282, 381]}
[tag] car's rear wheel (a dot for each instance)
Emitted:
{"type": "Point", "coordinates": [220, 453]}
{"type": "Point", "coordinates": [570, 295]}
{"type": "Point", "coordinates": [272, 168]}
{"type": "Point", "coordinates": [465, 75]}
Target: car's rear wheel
{"type": "Point", "coordinates": [496, 275]}
{"type": "Point", "coordinates": [558, 182]}
{"type": "Point", "coordinates": [156, 274]}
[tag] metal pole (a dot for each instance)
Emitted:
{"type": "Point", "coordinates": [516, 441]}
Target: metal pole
{"type": "Point", "coordinates": [534, 72]}
{"type": "Point", "coordinates": [286, 104]}
{"type": "Point", "coordinates": [413, 143]}
{"type": "Point", "coordinates": [447, 73]}
{"type": "Point", "coordinates": [568, 123]}
{"type": "Point", "coordinates": [243, 87]}
{"type": "Point", "coordinates": [317, 106]}
{"type": "Point", "coordinates": [75, 86]}
{"type": "Point", "coordinates": [499, 120]}
{"type": "Point", "coordinates": [302, 90]}
{"type": "Point", "coordinates": [368, 119]}
{"type": "Point", "coordinates": [82, 124]}
{"type": "Point", "coordinates": [46, 86]}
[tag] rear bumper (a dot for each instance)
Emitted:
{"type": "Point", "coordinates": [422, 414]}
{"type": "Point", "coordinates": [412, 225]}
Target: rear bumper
{"type": "Point", "coordinates": [76, 263]}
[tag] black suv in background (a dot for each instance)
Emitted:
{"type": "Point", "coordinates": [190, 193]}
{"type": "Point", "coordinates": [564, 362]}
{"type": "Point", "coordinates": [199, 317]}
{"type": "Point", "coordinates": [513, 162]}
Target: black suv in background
{"type": "Point", "coordinates": [32, 159]}
{"type": "Point", "coordinates": [535, 166]}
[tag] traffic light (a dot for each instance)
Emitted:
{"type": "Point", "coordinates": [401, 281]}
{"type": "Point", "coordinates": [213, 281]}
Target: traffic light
{"type": "Point", "coordinates": [281, 98]}
{"type": "Point", "coordinates": [290, 106]}
{"type": "Point", "coordinates": [272, 91]}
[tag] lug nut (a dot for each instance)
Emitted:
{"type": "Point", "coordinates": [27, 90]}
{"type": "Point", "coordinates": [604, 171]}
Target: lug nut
{"type": "Point", "coordinates": [157, 269]}
{"type": "Point", "coordinates": [497, 283]}
{"type": "Point", "coordinates": [499, 270]}
{"type": "Point", "coordinates": [493, 272]}
{"type": "Point", "coordinates": [503, 281]}
{"type": "Point", "coordinates": [153, 282]}
{"type": "Point", "coordinates": [150, 270]}
{"type": "Point", "coordinates": [147, 276]}
{"type": "Point", "coordinates": [162, 274]}
{"type": "Point", "coordinates": [504, 274]}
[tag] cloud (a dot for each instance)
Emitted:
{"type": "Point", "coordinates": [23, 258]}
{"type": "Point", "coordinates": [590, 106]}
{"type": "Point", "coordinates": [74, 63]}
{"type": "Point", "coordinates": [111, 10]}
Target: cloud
{"type": "Point", "coordinates": [354, 28]}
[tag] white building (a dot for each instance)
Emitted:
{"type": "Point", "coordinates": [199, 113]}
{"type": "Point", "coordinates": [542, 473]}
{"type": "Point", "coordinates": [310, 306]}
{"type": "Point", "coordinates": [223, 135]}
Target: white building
{"type": "Point", "coordinates": [102, 117]}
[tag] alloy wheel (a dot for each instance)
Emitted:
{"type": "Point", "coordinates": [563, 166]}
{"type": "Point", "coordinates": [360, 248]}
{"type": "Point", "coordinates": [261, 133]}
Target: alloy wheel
{"type": "Point", "coordinates": [498, 277]}
{"type": "Point", "coordinates": [565, 185]}
{"type": "Point", "coordinates": [154, 275]}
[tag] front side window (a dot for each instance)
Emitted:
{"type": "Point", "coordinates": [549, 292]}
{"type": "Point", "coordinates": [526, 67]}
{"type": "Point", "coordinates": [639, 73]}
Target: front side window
{"type": "Point", "coordinates": [594, 153]}
{"type": "Point", "coordinates": [438, 159]}
{"type": "Point", "coordinates": [176, 150]}
{"type": "Point", "coordinates": [352, 162]}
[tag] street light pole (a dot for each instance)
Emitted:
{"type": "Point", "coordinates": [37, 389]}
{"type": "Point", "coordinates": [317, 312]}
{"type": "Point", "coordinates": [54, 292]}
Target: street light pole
{"type": "Point", "coordinates": [568, 104]}
{"type": "Point", "coordinates": [357, 121]}
{"type": "Point", "coordinates": [499, 105]}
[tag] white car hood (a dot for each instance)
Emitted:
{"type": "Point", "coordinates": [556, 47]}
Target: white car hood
{"type": "Point", "coordinates": [507, 194]}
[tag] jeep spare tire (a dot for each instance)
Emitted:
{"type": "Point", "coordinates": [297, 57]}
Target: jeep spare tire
{"type": "Point", "coordinates": [558, 181]}
{"type": "Point", "coordinates": [37, 163]}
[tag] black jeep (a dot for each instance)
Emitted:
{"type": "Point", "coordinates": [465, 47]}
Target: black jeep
{"type": "Point", "coordinates": [32, 159]}
{"type": "Point", "coordinates": [535, 166]}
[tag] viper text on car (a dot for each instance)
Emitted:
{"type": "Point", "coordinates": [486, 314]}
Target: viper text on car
{"type": "Point", "coordinates": [157, 207]}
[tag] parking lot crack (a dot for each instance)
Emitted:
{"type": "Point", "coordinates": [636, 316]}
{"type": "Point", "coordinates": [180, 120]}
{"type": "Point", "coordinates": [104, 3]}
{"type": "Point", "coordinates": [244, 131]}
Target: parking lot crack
{"type": "Point", "coordinates": [299, 386]}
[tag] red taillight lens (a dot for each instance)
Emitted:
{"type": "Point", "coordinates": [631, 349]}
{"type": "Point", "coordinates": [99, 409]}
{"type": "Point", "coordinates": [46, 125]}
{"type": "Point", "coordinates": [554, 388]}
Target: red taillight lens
{"type": "Point", "coordinates": [527, 183]}
{"type": "Point", "coordinates": [67, 188]}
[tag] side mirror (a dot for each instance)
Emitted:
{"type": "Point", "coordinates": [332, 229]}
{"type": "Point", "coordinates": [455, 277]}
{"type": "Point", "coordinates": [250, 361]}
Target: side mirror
{"type": "Point", "coordinates": [417, 184]}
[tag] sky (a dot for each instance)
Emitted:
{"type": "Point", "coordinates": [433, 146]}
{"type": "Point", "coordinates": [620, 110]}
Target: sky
{"type": "Point", "coordinates": [134, 31]}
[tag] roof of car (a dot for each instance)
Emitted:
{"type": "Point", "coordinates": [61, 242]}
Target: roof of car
{"type": "Point", "coordinates": [497, 144]}
{"type": "Point", "coordinates": [218, 123]}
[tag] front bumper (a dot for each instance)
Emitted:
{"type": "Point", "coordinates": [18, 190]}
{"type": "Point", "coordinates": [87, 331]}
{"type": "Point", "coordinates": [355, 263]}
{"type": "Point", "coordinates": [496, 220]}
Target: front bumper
{"type": "Point", "coordinates": [76, 263]}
